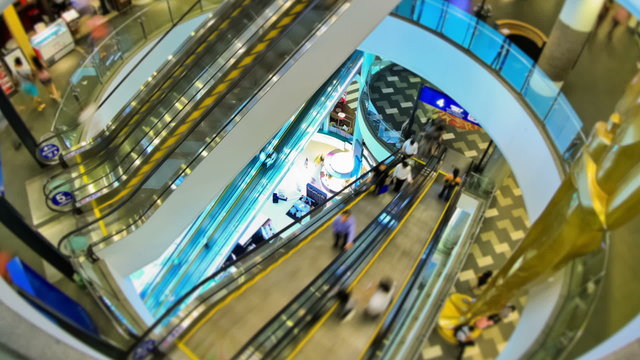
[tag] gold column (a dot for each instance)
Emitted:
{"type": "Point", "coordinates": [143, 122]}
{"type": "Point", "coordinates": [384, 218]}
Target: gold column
{"type": "Point", "coordinates": [17, 31]}
{"type": "Point", "coordinates": [601, 193]}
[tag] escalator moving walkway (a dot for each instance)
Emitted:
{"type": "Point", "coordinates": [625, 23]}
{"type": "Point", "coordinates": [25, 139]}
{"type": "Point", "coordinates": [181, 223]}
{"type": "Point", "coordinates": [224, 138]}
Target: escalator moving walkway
{"type": "Point", "coordinates": [304, 326]}
{"type": "Point", "coordinates": [216, 114]}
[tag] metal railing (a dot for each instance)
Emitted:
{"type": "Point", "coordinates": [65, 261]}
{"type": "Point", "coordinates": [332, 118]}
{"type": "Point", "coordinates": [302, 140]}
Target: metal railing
{"type": "Point", "coordinates": [521, 73]}
{"type": "Point", "coordinates": [91, 78]}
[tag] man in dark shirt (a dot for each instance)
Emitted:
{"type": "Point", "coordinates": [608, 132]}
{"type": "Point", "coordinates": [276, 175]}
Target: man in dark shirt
{"type": "Point", "coordinates": [379, 177]}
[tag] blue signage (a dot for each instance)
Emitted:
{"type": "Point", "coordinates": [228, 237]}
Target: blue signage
{"type": "Point", "coordinates": [49, 151]}
{"type": "Point", "coordinates": [62, 198]}
{"type": "Point", "coordinates": [443, 102]}
{"type": "Point", "coordinates": [316, 194]}
{"type": "Point", "coordinates": [144, 349]}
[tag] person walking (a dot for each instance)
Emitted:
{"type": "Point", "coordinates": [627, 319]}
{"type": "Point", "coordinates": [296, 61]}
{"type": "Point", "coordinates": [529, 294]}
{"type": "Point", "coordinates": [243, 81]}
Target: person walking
{"type": "Point", "coordinates": [26, 80]}
{"type": "Point", "coordinates": [344, 230]}
{"type": "Point", "coordinates": [450, 183]}
{"type": "Point", "coordinates": [45, 79]}
{"type": "Point", "coordinates": [409, 148]}
{"type": "Point", "coordinates": [431, 137]}
{"type": "Point", "coordinates": [381, 299]}
{"type": "Point", "coordinates": [379, 178]}
{"type": "Point", "coordinates": [401, 174]}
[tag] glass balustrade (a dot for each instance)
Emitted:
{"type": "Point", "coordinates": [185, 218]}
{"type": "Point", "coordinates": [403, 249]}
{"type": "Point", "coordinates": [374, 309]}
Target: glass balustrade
{"type": "Point", "coordinates": [92, 79]}
{"type": "Point", "coordinates": [542, 95]}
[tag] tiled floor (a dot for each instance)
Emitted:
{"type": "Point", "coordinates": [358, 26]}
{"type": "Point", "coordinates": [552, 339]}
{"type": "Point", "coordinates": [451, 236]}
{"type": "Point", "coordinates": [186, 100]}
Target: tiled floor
{"type": "Point", "coordinates": [505, 224]}
{"type": "Point", "coordinates": [604, 68]}
{"type": "Point", "coordinates": [393, 93]}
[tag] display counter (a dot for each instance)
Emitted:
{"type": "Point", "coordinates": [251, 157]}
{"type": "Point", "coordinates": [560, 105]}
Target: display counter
{"type": "Point", "coordinates": [53, 42]}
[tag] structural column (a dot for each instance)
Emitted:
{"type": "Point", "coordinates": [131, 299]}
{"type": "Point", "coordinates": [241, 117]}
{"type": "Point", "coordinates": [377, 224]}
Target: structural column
{"type": "Point", "coordinates": [17, 31]}
{"type": "Point", "coordinates": [568, 36]}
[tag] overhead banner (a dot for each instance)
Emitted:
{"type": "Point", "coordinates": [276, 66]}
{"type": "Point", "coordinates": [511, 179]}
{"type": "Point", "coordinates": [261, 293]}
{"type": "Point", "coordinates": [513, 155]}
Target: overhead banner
{"type": "Point", "coordinates": [446, 104]}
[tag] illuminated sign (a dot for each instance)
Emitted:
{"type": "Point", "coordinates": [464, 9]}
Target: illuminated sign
{"type": "Point", "coordinates": [443, 102]}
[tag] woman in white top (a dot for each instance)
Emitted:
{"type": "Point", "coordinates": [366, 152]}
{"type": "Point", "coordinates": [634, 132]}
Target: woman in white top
{"type": "Point", "coordinates": [401, 174]}
{"type": "Point", "coordinates": [381, 299]}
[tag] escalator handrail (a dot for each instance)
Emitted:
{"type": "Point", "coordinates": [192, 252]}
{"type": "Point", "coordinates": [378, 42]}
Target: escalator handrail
{"type": "Point", "coordinates": [163, 74]}
{"type": "Point", "coordinates": [330, 86]}
{"type": "Point", "coordinates": [160, 39]}
{"type": "Point", "coordinates": [203, 116]}
{"type": "Point", "coordinates": [393, 316]}
{"type": "Point", "coordinates": [389, 160]}
{"type": "Point", "coordinates": [430, 167]}
{"type": "Point", "coordinates": [113, 181]}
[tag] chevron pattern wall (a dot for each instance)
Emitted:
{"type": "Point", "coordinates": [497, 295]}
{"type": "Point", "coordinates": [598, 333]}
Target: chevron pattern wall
{"type": "Point", "coordinates": [505, 225]}
{"type": "Point", "coordinates": [394, 90]}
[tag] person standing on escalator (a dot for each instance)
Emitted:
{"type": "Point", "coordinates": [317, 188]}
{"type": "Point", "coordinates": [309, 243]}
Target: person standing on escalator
{"type": "Point", "coordinates": [379, 178]}
{"type": "Point", "coordinates": [401, 174]}
{"type": "Point", "coordinates": [344, 230]}
{"type": "Point", "coordinates": [450, 183]}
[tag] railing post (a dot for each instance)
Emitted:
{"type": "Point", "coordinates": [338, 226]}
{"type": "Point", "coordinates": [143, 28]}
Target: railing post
{"type": "Point", "coordinates": [553, 103]}
{"type": "Point", "coordinates": [443, 18]}
{"type": "Point", "coordinates": [201, 6]}
{"type": "Point", "coordinates": [525, 84]}
{"type": "Point", "coordinates": [97, 67]}
{"type": "Point", "coordinates": [76, 94]}
{"type": "Point", "coordinates": [144, 31]}
{"type": "Point", "coordinates": [473, 33]}
{"type": "Point", "coordinates": [170, 12]}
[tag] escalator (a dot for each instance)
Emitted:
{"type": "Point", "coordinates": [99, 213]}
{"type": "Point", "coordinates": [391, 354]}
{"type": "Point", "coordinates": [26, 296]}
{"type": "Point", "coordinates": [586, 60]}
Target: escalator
{"type": "Point", "coordinates": [208, 242]}
{"type": "Point", "coordinates": [348, 340]}
{"type": "Point", "coordinates": [157, 109]}
{"type": "Point", "coordinates": [223, 328]}
{"type": "Point", "coordinates": [259, 66]}
{"type": "Point", "coordinates": [299, 242]}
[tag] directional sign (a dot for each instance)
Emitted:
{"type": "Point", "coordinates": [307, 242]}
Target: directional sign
{"type": "Point", "coordinates": [62, 198]}
{"type": "Point", "coordinates": [49, 151]}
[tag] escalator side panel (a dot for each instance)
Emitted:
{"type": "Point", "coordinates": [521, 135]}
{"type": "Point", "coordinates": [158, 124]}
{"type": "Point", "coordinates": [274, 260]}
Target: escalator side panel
{"type": "Point", "coordinates": [246, 312]}
{"type": "Point", "coordinates": [336, 340]}
{"type": "Point", "coordinates": [278, 104]}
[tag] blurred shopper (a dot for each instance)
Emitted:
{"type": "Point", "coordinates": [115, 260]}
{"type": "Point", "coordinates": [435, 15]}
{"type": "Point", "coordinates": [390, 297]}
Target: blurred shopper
{"type": "Point", "coordinates": [99, 30]}
{"type": "Point", "coordinates": [604, 11]}
{"type": "Point", "coordinates": [379, 178]}
{"type": "Point", "coordinates": [483, 278]}
{"type": "Point", "coordinates": [346, 304]}
{"type": "Point", "coordinates": [59, 6]}
{"type": "Point", "coordinates": [344, 230]}
{"type": "Point", "coordinates": [381, 298]}
{"type": "Point", "coordinates": [620, 16]}
{"type": "Point", "coordinates": [401, 174]}
{"type": "Point", "coordinates": [450, 183]}
{"type": "Point", "coordinates": [45, 78]}
{"type": "Point", "coordinates": [430, 138]}
{"type": "Point", "coordinates": [26, 80]}
{"type": "Point", "coordinates": [409, 148]}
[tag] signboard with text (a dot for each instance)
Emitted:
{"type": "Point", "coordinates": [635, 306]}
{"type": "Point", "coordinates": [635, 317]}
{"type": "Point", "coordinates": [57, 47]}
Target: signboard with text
{"type": "Point", "coordinates": [444, 103]}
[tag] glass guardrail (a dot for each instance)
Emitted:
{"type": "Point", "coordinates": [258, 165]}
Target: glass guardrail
{"type": "Point", "coordinates": [224, 281]}
{"type": "Point", "coordinates": [581, 290]}
{"type": "Point", "coordinates": [391, 138]}
{"type": "Point", "coordinates": [92, 77]}
{"type": "Point", "coordinates": [542, 95]}
{"type": "Point", "coordinates": [414, 316]}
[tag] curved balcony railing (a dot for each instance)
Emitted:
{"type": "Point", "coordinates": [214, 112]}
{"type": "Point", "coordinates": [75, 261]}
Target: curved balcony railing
{"type": "Point", "coordinates": [92, 77]}
{"type": "Point", "coordinates": [541, 94]}
{"type": "Point", "coordinates": [562, 125]}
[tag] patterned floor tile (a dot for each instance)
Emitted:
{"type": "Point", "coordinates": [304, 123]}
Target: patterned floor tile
{"type": "Point", "coordinates": [504, 227]}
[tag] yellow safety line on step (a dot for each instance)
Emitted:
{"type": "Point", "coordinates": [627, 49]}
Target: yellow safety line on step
{"type": "Point", "coordinates": [324, 318]}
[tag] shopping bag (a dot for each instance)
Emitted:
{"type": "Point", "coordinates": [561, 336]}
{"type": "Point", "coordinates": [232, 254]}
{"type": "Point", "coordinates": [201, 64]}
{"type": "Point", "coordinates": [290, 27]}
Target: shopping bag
{"type": "Point", "coordinates": [383, 189]}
